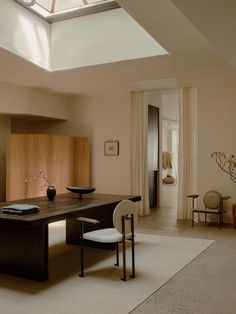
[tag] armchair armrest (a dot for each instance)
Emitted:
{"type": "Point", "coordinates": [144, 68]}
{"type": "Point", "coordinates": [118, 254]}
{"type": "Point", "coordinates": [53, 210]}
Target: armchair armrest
{"type": "Point", "coordinates": [222, 199]}
{"type": "Point", "coordinates": [225, 198]}
{"type": "Point", "coordinates": [88, 220]}
{"type": "Point", "coordinates": [193, 195]}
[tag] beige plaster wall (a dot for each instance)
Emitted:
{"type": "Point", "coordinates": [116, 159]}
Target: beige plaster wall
{"type": "Point", "coordinates": [16, 100]}
{"type": "Point", "coordinates": [216, 132]}
{"type": "Point", "coordinates": [107, 117]}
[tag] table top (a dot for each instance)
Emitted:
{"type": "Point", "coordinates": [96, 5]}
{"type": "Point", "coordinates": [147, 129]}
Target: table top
{"type": "Point", "coordinates": [64, 206]}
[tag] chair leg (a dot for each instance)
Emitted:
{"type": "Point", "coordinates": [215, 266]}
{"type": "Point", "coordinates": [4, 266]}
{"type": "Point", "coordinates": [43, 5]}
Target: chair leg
{"type": "Point", "coordinates": [205, 218]}
{"type": "Point", "coordinates": [132, 242]}
{"type": "Point", "coordinates": [82, 252]}
{"type": "Point", "coordinates": [123, 247]}
{"type": "Point", "coordinates": [221, 215]}
{"type": "Point", "coordinates": [192, 218]}
{"type": "Point", "coordinates": [117, 254]}
{"type": "Point", "coordinates": [221, 219]}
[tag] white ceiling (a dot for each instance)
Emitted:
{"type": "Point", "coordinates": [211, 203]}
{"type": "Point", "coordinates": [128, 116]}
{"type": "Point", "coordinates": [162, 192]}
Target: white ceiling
{"type": "Point", "coordinates": [192, 58]}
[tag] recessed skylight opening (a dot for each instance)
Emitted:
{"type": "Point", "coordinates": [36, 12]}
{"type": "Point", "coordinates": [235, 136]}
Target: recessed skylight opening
{"type": "Point", "coordinates": [27, 2]}
{"type": "Point", "coordinates": [56, 10]}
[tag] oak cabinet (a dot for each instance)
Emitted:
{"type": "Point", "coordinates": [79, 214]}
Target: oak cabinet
{"type": "Point", "coordinates": [64, 160]}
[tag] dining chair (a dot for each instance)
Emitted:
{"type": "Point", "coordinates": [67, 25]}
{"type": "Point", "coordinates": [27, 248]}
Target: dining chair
{"type": "Point", "coordinates": [124, 220]}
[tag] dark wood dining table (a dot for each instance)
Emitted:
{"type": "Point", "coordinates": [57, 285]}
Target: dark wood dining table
{"type": "Point", "coordinates": [24, 238]}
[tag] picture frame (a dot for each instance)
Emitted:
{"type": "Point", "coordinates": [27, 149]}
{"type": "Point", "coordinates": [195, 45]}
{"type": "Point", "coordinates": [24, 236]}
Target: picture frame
{"type": "Point", "coordinates": [111, 148]}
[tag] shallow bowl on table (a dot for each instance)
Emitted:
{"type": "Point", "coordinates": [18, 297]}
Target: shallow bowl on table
{"type": "Point", "coordinates": [80, 190]}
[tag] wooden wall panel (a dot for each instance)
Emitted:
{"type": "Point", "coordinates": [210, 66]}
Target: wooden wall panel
{"type": "Point", "coordinates": [37, 156]}
{"type": "Point", "coordinates": [15, 167]}
{"type": "Point", "coordinates": [64, 159]}
{"type": "Point", "coordinates": [82, 162]}
{"type": "Point", "coordinates": [62, 172]}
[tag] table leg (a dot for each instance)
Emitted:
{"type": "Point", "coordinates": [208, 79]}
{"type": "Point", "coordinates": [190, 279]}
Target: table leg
{"type": "Point", "coordinates": [72, 231]}
{"type": "Point", "coordinates": [24, 251]}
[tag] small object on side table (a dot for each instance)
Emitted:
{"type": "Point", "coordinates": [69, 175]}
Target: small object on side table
{"type": "Point", "coordinates": [51, 192]}
{"type": "Point", "coordinates": [80, 190]}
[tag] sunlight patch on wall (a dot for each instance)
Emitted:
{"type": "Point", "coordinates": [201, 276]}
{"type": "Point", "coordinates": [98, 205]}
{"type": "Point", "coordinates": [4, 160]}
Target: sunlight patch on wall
{"type": "Point", "coordinates": [33, 43]}
{"type": "Point", "coordinates": [24, 33]}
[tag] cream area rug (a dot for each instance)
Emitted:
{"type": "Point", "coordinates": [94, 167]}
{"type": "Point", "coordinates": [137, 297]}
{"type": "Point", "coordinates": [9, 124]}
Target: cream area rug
{"type": "Point", "coordinates": [158, 258]}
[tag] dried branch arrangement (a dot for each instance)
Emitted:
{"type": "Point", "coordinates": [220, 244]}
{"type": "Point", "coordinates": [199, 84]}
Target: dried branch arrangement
{"type": "Point", "coordinates": [226, 163]}
{"type": "Point", "coordinates": [42, 176]}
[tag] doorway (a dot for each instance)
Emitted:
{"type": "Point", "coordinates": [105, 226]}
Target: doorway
{"type": "Point", "coordinates": [170, 151]}
{"type": "Point", "coordinates": [153, 155]}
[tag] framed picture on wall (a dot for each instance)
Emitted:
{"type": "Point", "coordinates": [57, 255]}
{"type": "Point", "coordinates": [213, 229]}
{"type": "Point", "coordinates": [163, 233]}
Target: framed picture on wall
{"type": "Point", "coordinates": [111, 148]}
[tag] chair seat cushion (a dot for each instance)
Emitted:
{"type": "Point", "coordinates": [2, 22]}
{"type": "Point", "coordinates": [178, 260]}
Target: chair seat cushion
{"type": "Point", "coordinates": [207, 210]}
{"type": "Point", "coordinates": [108, 235]}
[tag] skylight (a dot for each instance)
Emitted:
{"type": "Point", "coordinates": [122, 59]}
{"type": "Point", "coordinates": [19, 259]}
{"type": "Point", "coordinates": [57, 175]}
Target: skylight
{"type": "Point", "coordinates": [55, 10]}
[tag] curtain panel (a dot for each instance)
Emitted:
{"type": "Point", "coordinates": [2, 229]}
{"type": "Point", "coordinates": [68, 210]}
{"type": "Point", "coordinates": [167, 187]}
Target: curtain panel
{"type": "Point", "coordinates": [139, 161]}
{"type": "Point", "coordinates": [187, 150]}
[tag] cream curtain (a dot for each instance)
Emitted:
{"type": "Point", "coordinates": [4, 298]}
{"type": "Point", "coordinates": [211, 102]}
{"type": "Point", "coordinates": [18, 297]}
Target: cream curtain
{"type": "Point", "coordinates": [187, 150]}
{"type": "Point", "coordinates": [139, 162]}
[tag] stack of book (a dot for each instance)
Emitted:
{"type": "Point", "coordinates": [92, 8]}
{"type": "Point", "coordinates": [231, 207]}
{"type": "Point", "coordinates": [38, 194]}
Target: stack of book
{"type": "Point", "coordinates": [20, 209]}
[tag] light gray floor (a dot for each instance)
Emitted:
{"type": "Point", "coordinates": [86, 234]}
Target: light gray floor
{"type": "Point", "coordinates": [208, 283]}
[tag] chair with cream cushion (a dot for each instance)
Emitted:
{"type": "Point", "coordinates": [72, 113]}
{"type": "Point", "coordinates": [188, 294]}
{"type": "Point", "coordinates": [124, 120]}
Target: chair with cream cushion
{"type": "Point", "coordinates": [124, 221]}
{"type": "Point", "coordinates": [214, 204]}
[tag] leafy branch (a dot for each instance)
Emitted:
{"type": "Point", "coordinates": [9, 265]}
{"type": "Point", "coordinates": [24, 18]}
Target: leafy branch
{"type": "Point", "coordinates": [226, 163]}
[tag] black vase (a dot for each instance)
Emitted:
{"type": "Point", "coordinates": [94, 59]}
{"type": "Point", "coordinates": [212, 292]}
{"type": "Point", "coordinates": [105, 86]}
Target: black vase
{"type": "Point", "coordinates": [51, 192]}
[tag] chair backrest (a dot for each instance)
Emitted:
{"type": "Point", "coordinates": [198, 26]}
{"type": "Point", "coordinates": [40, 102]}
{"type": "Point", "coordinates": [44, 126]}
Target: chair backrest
{"type": "Point", "coordinates": [212, 200]}
{"type": "Point", "coordinates": [125, 207]}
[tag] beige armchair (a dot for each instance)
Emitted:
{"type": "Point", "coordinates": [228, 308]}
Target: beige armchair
{"type": "Point", "coordinates": [214, 204]}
